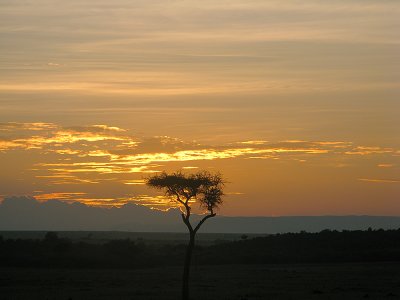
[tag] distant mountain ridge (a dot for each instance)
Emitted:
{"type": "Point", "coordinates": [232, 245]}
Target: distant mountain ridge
{"type": "Point", "coordinates": [26, 213]}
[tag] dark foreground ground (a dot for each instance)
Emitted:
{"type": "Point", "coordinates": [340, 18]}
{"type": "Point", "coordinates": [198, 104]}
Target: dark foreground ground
{"type": "Point", "coordinates": [233, 282]}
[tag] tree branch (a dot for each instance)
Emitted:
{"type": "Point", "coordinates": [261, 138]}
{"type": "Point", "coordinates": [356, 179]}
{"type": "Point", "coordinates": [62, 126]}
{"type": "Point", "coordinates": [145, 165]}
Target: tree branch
{"type": "Point", "coordinates": [178, 199]}
{"type": "Point", "coordinates": [212, 214]}
{"type": "Point", "coordinates": [185, 219]}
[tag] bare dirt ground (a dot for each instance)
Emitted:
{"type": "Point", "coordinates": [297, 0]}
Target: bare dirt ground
{"type": "Point", "coordinates": [233, 282]}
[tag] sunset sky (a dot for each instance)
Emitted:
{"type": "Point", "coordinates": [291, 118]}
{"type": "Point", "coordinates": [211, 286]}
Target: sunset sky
{"type": "Point", "coordinates": [296, 103]}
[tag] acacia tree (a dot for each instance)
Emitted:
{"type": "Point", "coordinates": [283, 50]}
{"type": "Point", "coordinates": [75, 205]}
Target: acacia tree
{"type": "Point", "coordinates": [203, 188]}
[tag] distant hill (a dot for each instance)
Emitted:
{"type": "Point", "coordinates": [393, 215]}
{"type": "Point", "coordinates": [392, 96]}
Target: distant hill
{"type": "Point", "coordinates": [26, 213]}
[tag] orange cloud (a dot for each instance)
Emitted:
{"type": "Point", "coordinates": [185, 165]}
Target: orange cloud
{"type": "Point", "coordinates": [38, 126]}
{"type": "Point", "coordinates": [385, 165]}
{"type": "Point", "coordinates": [92, 155]}
{"type": "Point", "coordinates": [379, 180]}
{"type": "Point", "coordinates": [363, 150]}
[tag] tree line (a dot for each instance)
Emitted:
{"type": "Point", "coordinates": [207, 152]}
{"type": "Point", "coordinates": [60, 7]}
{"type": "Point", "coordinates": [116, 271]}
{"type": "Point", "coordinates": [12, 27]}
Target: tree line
{"type": "Point", "coordinates": [324, 247]}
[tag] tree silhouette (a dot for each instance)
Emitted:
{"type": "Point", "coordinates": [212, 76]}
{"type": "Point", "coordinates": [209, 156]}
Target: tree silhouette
{"type": "Point", "coordinates": [204, 188]}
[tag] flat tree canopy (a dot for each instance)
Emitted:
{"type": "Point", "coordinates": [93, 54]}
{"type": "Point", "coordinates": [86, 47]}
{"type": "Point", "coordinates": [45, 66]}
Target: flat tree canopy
{"type": "Point", "coordinates": [203, 187]}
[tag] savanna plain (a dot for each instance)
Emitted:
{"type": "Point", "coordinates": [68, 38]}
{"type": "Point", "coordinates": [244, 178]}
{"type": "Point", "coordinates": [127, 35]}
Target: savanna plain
{"type": "Point", "coordinates": [321, 265]}
{"type": "Point", "coordinates": [230, 282]}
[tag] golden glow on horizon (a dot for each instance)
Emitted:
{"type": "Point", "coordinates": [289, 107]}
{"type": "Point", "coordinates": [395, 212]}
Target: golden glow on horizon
{"type": "Point", "coordinates": [70, 159]}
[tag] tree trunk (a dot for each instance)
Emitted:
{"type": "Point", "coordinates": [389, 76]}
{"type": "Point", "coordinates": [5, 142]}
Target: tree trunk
{"type": "Point", "coordinates": [186, 268]}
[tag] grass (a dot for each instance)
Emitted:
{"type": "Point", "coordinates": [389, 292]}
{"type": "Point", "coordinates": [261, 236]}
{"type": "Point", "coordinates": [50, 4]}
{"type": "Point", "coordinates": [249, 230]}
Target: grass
{"type": "Point", "coordinates": [229, 282]}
